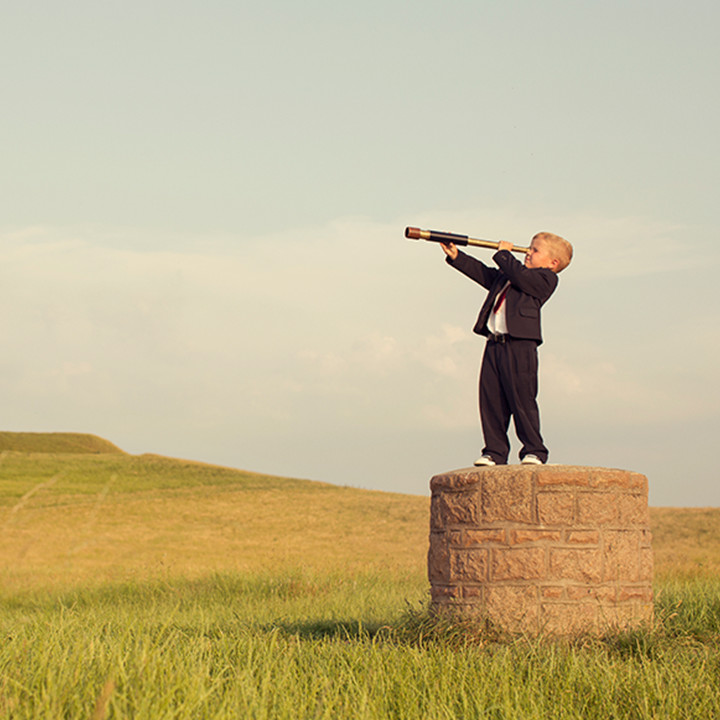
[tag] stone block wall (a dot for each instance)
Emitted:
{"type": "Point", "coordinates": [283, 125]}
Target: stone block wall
{"type": "Point", "coordinates": [551, 549]}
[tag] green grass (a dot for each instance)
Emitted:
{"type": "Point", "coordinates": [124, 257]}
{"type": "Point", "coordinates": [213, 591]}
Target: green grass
{"type": "Point", "coordinates": [313, 645]}
{"type": "Point", "coordinates": [147, 587]}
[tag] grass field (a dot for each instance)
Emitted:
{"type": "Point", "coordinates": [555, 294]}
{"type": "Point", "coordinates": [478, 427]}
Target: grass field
{"type": "Point", "coordinates": [148, 587]}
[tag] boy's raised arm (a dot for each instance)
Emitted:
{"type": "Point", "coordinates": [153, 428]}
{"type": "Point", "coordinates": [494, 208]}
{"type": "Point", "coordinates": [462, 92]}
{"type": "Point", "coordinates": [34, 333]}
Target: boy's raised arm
{"type": "Point", "coordinates": [538, 282]}
{"type": "Point", "coordinates": [470, 266]}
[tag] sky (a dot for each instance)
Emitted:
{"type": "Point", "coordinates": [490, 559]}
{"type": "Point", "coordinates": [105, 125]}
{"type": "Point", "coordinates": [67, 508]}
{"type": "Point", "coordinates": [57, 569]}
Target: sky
{"type": "Point", "coordinates": [201, 238]}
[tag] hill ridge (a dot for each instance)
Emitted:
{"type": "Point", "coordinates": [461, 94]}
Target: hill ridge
{"type": "Point", "coordinates": [56, 442]}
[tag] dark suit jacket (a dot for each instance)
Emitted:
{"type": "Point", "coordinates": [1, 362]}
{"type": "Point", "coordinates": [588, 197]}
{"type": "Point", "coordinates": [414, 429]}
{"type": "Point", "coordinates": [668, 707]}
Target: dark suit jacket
{"type": "Point", "coordinates": [529, 290]}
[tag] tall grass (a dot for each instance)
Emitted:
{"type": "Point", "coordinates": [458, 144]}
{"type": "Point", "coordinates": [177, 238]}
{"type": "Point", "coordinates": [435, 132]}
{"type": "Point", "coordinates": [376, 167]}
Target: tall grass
{"type": "Point", "coordinates": [324, 646]}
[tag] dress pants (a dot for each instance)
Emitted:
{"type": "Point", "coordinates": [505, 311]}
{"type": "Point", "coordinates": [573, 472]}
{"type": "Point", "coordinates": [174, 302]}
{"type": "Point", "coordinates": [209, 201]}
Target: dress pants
{"type": "Point", "coordinates": [509, 386]}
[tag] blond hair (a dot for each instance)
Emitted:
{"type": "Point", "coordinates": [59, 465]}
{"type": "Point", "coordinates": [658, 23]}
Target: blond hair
{"type": "Point", "coordinates": [558, 248]}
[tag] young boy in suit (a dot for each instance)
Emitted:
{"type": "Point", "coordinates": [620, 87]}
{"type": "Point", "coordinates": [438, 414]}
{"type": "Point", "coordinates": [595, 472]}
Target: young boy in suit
{"type": "Point", "coordinates": [510, 320]}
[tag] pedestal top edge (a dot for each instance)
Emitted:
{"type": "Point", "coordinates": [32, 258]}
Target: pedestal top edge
{"type": "Point", "coordinates": [544, 474]}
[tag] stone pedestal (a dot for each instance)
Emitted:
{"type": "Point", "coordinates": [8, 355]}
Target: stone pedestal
{"type": "Point", "coordinates": [553, 549]}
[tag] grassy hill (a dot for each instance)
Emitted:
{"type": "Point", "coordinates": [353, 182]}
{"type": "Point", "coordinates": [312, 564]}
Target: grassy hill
{"type": "Point", "coordinates": [76, 509]}
{"type": "Point", "coordinates": [88, 518]}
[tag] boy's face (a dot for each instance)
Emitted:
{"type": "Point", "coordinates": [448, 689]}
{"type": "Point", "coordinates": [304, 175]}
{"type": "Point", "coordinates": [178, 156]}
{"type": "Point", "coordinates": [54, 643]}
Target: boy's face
{"type": "Point", "coordinates": [539, 257]}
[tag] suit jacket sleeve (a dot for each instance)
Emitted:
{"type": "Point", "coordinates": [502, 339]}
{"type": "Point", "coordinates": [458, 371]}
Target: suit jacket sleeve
{"type": "Point", "coordinates": [540, 283]}
{"type": "Point", "coordinates": [474, 269]}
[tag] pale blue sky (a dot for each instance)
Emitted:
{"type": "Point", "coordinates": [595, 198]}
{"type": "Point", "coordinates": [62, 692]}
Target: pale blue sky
{"type": "Point", "coordinates": [204, 203]}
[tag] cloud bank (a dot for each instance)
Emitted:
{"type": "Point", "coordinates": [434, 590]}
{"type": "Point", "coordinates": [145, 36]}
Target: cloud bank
{"type": "Point", "coordinates": [344, 352]}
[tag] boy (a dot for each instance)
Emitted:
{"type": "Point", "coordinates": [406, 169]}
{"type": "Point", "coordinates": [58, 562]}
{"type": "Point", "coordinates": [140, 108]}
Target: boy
{"type": "Point", "coordinates": [510, 319]}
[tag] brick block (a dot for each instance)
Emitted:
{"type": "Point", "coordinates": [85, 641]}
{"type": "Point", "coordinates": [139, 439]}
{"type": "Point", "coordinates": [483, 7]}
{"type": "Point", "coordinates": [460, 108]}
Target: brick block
{"type": "Point", "coordinates": [583, 537]}
{"type": "Point", "coordinates": [517, 564]}
{"type": "Point", "coordinates": [437, 503]}
{"type": "Point", "coordinates": [592, 592]}
{"type": "Point", "coordinates": [463, 479]}
{"type": "Point", "coordinates": [473, 592]}
{"type": "Point", "coordinates": [449, 509]}
{"type": "Point", "coordinates": [643, 593]}
{"type": "Point", "coordinates": [645, 565]}
{"type": "Point", "coordinates": [521, 537]}
{"type": "Point", "coordinates": [645, 537]}
{"type": "Point", "coordinates": [606, 479]}
{"type": "Point", "coordinates": [513, 608]}
{"type": "Point", "coordinates": [552, 592]}
{"type": "Point", "coordinates": [438, 559]}
{"type": "Point", "coordinates": [638, 481]}
{"type": "Point", "coordinates": [596, 509]}
{"type": "Point", "coordinates": [556, 508]}
{"type": "Point", "coordinates": [507, 498]}
{"type": "Point", "coordinates": [581, 565]}
{"type": "Point", "coordinates": [621, 555]}
{"type": "Point", "coordinates": [551, 476]}
{"type": "Point", "coordinates": [633, 510]}
{"type": "Point", "coordinates": [444, 593]}
{"type": "Point", "coordinates": [483, 537]}
{"type": "Point", "coordinates": [603, 478]}
{"type": "Point", "coordinates": [469, 565]}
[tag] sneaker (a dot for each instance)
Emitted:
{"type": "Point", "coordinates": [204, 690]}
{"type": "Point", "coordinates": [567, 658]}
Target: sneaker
{"type": "Point", "coordinates": [485, 461]}
{"type": "Point", "coordinates": [531, 460]}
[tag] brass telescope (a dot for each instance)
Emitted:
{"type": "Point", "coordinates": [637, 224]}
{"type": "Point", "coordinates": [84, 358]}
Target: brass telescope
{"type": "Point", "coordinates": [444, 237]}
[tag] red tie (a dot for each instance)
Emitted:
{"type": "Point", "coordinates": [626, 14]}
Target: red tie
{"type": "Point", "coordinates": [501, 298]}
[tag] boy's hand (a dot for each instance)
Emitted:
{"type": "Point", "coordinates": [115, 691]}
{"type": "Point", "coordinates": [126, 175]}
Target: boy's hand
{"type": "Point", "coordinates": [505, 245]}
{"type": "Point", "coordinates": [450, 250]}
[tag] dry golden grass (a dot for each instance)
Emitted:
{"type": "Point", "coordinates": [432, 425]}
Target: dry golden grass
{"type": "Point", "coordinates": [686, 542]}
{"type": "Point", "coordinates": [115, 536]}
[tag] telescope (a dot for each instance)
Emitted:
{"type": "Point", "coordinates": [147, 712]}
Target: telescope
{"type": "Point", "coordinates": [445, 237]}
